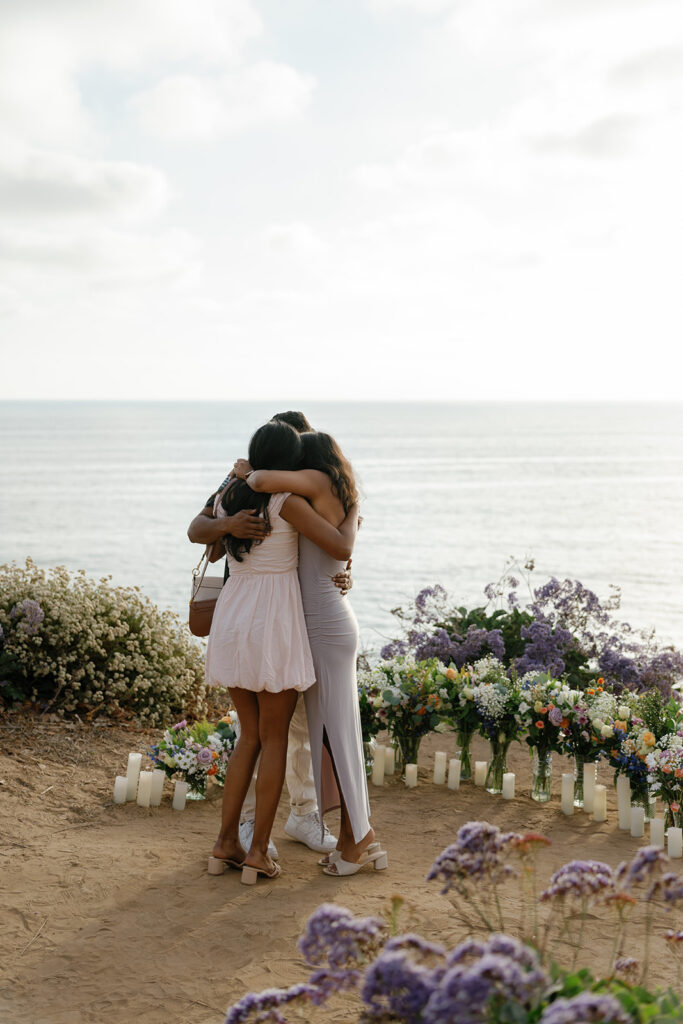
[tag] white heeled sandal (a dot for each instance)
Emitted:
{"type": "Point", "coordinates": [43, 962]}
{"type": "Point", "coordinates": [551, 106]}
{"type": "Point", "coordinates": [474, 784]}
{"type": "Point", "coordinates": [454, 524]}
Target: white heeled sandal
{"type": "Point", "coordinates": [341, 867]}
{"type": "Point", "coordinates": [334, 855]}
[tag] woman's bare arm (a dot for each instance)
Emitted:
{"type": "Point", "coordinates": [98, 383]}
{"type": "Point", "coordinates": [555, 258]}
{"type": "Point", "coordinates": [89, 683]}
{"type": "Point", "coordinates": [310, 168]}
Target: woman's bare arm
{"type": "Point", "coordinates": [309, 483]}
{"type": "Point", "coordinates": [205, 529]}
{"type": "Point", "coordinates": [337, 541]}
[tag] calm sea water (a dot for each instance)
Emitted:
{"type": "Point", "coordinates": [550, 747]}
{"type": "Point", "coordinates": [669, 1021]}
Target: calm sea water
{"type": "Point", "coordinates": [450, 491]}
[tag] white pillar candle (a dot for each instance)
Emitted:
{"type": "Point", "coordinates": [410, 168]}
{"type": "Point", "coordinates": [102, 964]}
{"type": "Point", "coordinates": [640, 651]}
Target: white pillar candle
{"type": "Point", "coordinates": [674, 841]}
{"type": "Point", "coordinates": [657, 832]}
{"type": "Point", "coordinates": [480, 769]}
{"type": "Point", "coordinates": [133, 774]}
{"type": "Point", "coordinates": [588, 786]}
{"type": "Point", "coordinates": [144, 788]}
{"type": "Point", "coordinates": [411, 775]}
{"type": "Point", "coordinates": [599, 803]}
{"type": "Point", "coordinates": [637, 822]}
{"type": "Point", "coordinates": [389, 761]}
{"type": "Point", "coordinates": [454, 773]}
{"type": "Point", "coordinates": [378, 767]}
{"type": "Point", "coordinates": [120, 789]}
{"type": "Point", "coordinates": [158, 776]}
{"type": "Point", "coordinates": [179, 795]}
{"type": "Point", "coordinates": [508, 785]}
{"type": "Point", "coordinates": [624, 802]}
{"type": "Point", "coordinates": [440, 767]}
{"type": "Point", "coordinates": [567, 792]}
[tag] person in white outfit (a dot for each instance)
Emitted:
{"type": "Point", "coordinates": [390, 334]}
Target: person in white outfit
{"type": "Point", "coordinates": [304, 823]}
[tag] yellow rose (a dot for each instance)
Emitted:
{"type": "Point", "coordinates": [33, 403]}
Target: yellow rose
{"type": "Point", "coordinates": [451, 673]}
{"type": "Point", "coordinates": [648, 739]}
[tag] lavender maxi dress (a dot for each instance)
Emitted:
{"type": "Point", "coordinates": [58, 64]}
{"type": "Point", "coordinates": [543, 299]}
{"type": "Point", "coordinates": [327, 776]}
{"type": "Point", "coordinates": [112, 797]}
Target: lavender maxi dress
{"type": "Point", "coordinates": [332, 705]}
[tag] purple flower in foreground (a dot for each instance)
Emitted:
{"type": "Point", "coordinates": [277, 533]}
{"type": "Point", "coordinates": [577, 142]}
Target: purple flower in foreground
{"type": "Point", "coordinates": [179, 725]}
{"type": "Point", "coordinates": [647, 861]}
{"type": "Point", "coordinates": [478, 851]}
{"type": "Point", "coordinates": [586, 1008]}
{"type": "Point", "coordinates": [672, 888]}
{"type": "Point", "coordinates": [205, 757]}
{"type": "Point", "coordinates": [467, 991]}
{"type": "Point", "coordinates": [335, 936]}
{"type": "Point", "coordinates": [267, 1004]}
{"type": "Point", "coordinates": [396, 985]}
{"type": "Point", "coordinates": [628, 967]}
{"type": "Point", "coordinates": [580, 879]}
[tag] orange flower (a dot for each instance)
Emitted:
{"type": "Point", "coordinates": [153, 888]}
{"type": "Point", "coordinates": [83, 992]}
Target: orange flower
{"type": "Point", "coordinates": [540, 724]}
{"type": "Point", "coordinates": [601, 681]}
{"type": "Point", "coordinates": [565, 723]}
{"type": "Point", "coordinates": [679, 773]}
{"type": "Point", "coordinates": [618, 724]}
{"type": "Point", "coordinates": [421, 711]}
{"type": "Point", "coordinates": [213, 770]}
{"type": "Point", "coordinates": [590, 690]}
{"type": "Point", "coordinates": [544, 711]}
{"type": "Point", "coordinates": [649, 739]}
{"type": "Point", "coordinates": [667, 769]}
{"type": "Point", "coordinates": [214, 755]}
{"type": "Point", "coordinates": [675, 807]}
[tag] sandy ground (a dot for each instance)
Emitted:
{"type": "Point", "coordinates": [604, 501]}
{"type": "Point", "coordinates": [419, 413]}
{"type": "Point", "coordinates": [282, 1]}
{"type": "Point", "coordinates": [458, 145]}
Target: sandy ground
{"type": "Point", "coordinates": [109, 916]}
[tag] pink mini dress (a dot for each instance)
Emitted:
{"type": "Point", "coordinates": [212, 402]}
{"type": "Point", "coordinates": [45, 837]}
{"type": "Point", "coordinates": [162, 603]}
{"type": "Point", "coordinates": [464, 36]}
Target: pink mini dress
{"type": "Point", "coordinates": [258, 639]}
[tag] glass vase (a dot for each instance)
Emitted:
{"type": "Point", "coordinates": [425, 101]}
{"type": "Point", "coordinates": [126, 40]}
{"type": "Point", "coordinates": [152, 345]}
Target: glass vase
{"type": "Point", "coordinates": [640, 797]}
{"type": "Point", "coordinates": [407, 749]}
{"type": "Point", "coordinates": [464, 742]}
{"type": "Point", "coordinates": [369, 755]}
{"type": "Point", "coordinates": [497, 766]}
{"type": "Point", "coordinates": [541, 776]}
{"type": "Point", "coordinates": [579, 761]}
{"type": "Point", "coordinates": [195, 794]}
{"type": "Point", "coordinates": [673, 816]}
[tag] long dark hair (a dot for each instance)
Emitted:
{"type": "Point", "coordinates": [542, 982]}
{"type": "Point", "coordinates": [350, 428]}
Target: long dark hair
{"type": "Point", "coordinates": [275, 445]}
{"type": "Point", "coordinates": [321, 451]}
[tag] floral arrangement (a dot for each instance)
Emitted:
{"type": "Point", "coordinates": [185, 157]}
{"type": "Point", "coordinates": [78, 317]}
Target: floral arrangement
{"type": "Point", "coordinates": [560, 627]}
{"type": "Point", "coordinates": [665, 775]}
{"type": "Point", "coordinates": [501, 977]}
{"type": "Point", "coordinates": [195, 753]}
{"type": "Point", "coordinates": [74, 644]}
{"type": "Point", "coordinates": [460, 713]}
{"type": "Point", "coordinates": [370, 705]}
{"type": "Point", "coordinates": [412, 700]}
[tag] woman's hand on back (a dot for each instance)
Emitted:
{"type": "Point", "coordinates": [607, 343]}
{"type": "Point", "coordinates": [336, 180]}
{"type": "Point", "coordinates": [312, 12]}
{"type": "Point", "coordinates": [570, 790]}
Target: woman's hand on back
{"type": "Point", "coordinates": [241, 469]}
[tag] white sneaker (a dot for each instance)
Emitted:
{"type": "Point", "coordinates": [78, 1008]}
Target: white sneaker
{"type": "Point", "coordinates": [246, 836]}
{"type": "Point", "coordinates": [307, 829]}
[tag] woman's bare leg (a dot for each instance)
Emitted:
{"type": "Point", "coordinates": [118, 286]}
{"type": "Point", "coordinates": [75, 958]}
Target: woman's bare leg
{"type": "Point", "coordinates": [348, 847]}
{"type": "Point", "coordinates": [238, 774]}
{"type": "Point", "coordinates": [275, 712]}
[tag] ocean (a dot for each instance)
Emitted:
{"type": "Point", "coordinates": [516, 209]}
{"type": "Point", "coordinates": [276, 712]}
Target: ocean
{"type": "Point", "coordinates": [450, 492]}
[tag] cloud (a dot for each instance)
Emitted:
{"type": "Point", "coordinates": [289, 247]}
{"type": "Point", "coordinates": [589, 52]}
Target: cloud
{"type": "Point", "coordinates": [605, 138]}
{"type": "Point", "coordinates": [662, 64]}
{"type": "Point", "coordinates": [190, 107]}
{"type": "Point", "coordinates": [37, 183]}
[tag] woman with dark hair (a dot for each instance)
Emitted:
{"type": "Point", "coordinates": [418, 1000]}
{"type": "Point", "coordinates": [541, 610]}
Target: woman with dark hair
{"type": "Point", "coordinates": [327, 482]}
{"type": "Point", "coordinates": [258, 646]}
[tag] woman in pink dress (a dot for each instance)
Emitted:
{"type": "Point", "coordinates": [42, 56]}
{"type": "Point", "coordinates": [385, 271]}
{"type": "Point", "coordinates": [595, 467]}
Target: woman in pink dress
{"type": "Point", "coordinates": [258, 646]}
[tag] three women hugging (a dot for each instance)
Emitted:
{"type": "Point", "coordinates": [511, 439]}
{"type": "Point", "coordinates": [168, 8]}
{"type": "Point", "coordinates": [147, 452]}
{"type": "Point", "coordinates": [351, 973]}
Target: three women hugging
{"type": "Point", "coordinates": [282, 626]}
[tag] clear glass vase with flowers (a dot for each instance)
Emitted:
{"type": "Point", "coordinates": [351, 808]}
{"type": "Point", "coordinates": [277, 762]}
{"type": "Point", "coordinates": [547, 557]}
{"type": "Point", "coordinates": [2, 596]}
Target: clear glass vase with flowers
{"type": "Point", "coordinates": [496, 699]}
{"type": "Point", "coordinates": [460, 712]}
{"type": "Point", "coordinates": [195, 753]}
{"type": "Point", "coordinates": [545, 724]}
{"type": "Point", "coordinates": [411, 702]}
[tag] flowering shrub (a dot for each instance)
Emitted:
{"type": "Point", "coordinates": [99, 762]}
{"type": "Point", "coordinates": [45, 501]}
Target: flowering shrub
{"type": "Point", "coordinates": [562, 629]}
{"type": "Point", "coordinates": [500, 978]}
{"type": "Point", "coordinates": [73, 644]}
{"type": "Point", "coordinates": [195, 753]}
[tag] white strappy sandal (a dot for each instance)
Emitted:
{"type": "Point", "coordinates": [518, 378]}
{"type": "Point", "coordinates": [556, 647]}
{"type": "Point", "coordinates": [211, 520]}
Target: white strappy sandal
{"type": "Point", "coordinates": [334, 855]}
{"type": "Point", "coordinates": [340, 867]}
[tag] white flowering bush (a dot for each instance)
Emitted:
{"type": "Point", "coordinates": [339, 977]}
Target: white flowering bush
{"type": "Point", "coordinates": [75, 644]}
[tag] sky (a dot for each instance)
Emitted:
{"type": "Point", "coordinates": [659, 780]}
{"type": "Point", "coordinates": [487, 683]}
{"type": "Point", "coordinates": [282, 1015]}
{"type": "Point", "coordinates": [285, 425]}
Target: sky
{"type": "Point", "coordinates": [341, 199]}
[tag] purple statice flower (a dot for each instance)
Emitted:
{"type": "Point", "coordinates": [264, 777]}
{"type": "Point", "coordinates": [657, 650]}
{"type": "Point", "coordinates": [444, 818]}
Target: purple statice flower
{"type": "Point", "coordinates": [179, 725]}
{"type": "Point", "coordinates": [544, 648]}
{"type": "Point", "coordinates": [555, 716]}
{"type": "Point", "coordinates": [580, 879]}
{"type": "Point", "coordinates": [267, 1004]}
{"type": "Point", "coordinates": [627, 967]}
{"type": "Point", "coordinates": [479, 851]}
{"type": "Point", "coordinates": [647, 861]}
{"type": "Point", "coordinates": [31, 615]}
{"type": "Point", "coordinates": [586, 1008]}
{"type": "Point", "coordinates": [328, 982]}
{"type": "Point", "coordinates": [468, 992]}
{"type": "Point", "coordinates": [205, 757]}
{"type": "Point", "coordinates": [668, 887]}
{"type": "Point", "coordinates": [335, 936]}
{"type": "Point", "coordinates": [396, 985]}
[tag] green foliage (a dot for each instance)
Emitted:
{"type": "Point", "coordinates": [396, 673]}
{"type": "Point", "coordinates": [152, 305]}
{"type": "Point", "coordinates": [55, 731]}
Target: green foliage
{"type": "Point", "coordinates": [96, 649]}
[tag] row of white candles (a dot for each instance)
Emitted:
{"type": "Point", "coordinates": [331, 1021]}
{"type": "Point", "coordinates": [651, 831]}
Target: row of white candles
{"type": "Point", "coordinates": [146, 787]}
{"type": "Point", "coordinates": [631, 817]}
